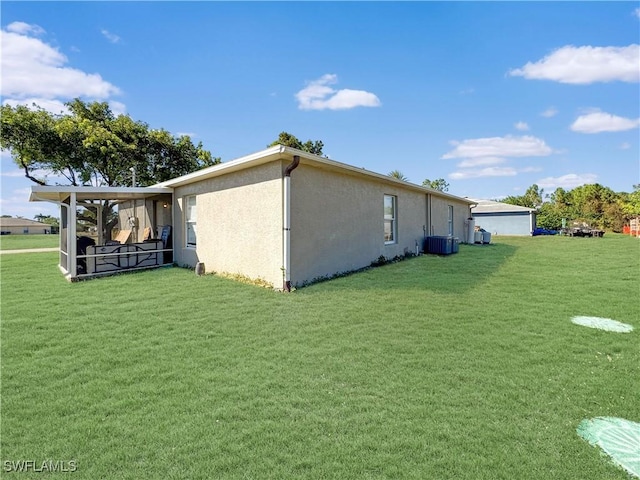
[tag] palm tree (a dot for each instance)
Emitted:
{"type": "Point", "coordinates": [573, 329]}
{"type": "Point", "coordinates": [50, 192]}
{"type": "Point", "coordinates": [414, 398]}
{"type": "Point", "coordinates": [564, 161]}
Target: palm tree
{"type": "Point", "coordinates": [398, 174]}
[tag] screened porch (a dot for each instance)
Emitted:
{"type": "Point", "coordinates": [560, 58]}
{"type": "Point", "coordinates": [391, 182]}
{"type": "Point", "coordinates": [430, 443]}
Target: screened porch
{"type": "Point", "coordinates": [108, 230]}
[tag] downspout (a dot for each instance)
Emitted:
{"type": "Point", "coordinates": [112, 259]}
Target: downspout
{"type": "Point", "coordinates": [469, 233]}
{"type": "Point", "coordinates": [430, 224]}
{"type": "Point", "coordinates": [286, 225]}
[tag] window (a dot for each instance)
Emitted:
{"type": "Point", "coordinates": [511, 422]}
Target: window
{"type": "Point", "coordinates": [390, 220]}
{"type": "Point", "coordinates": [190, 220]}
{"type": "Point", "coordinates": [450, 220]}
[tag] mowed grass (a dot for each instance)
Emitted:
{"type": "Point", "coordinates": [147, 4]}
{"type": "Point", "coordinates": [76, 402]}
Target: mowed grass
{"type": "Point", "coordinates": [458, 367]}
{"type": "Point", "coordinates": [21, 242]}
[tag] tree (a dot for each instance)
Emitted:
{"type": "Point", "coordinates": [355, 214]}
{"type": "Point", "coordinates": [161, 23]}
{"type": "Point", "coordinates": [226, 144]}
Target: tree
{"type": "Point", "coordinates": [631, 204]}
{"type": "Point", "coordinates": [288, 140]}
{"type": "Point", "coordinates": [549, 217]}
{"type": "Point", "coordinates": [48, 219]}
{"type": "Point", "coordinates": [92, 146]}
{"type": "Point", "coordinates": [594, 204]}
{"type": "Point", "coordinates": [30, 137]}
{"type": "Point", "coordinates": [532, 198]}
{"type": "Point", "coordinates": [590, 202]}
{"type": "Point", "coordinates": [438, 184]}
{"type": "Point", "coordinates": [398, 174]}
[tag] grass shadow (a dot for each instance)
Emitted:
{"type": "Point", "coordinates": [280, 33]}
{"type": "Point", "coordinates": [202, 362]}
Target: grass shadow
{"type": "Point", "coordinates": [457, 273]}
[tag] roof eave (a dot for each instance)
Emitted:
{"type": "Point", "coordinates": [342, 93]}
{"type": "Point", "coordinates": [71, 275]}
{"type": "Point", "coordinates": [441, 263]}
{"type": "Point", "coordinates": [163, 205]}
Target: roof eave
{"type": "Point", "coordinates": [59, 193]}
{"type": "Point", "coordinates": [287, 153]}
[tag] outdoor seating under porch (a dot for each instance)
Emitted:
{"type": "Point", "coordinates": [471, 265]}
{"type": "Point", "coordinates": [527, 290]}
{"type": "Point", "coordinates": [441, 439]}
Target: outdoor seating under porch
{"type": "Point", "coordinates": [142, 240]}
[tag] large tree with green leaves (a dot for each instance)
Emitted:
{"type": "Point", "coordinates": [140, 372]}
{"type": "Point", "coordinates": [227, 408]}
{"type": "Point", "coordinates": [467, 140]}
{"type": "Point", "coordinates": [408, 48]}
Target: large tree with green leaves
{"type": "Point", "coordinates": [289, 140]}
{"type": "Point", "coordinates": [92, 146]}
{"type": "Point", "coordinates": [594, 204]}
{"type": "Point", "coordinates": [630, 203]}
{"type": "Point", "coordinates": [532, 198]}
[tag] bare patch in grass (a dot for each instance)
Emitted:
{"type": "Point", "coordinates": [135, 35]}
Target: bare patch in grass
{"type": "Point", "coordinates": [603, 324]}
{"type": "Point", "coordinates": [617, 437]}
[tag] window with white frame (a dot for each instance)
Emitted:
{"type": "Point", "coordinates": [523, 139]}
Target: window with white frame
{"type": "Point", "coordinates": [390, 219]}
{"type": "Point", "coordinates": [450, 220]}
{"type": "Point", "coordinates": [190, 221]}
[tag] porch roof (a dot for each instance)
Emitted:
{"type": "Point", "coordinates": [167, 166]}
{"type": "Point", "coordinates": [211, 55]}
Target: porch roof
{"type": "Point", "coordinates": [60, 193]}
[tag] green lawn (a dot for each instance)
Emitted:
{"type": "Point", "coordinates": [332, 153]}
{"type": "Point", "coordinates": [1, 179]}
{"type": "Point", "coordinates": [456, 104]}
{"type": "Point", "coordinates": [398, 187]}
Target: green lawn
{"type": "Point", "coordinates": [458, 367]}
{"type": "Point", "coordinates": [20, 242]}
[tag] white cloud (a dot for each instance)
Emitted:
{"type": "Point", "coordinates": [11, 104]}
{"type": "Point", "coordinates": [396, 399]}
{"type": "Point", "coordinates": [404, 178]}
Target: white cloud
{"type": "Point", "coordinates": [549, 112]}
{"type": "Point", "coordinates": [508, 146]}
{"type": "Point", "coordinates": [625, 146]}
{"type": "Point", "coordinates": [58, 107]}
{"type": "Point", "coordinates": [23, 28]}
{"type": "Point", "coordinates": [49, 175]}
{"type": "Point", "coordinates": [16, 205]}
{"type": "Point", "coordinates": [481, 162]}
{"type": "Point", "coordinates": [117, 108]}
{"type": "Point", "coordinates": [484, 172]}
{"type": "Point", "coordinates": [569, 181]}
{"type": "Point", "coordinates": [481, 156]}
{"type": "Point", "coordinates": [636, 12]}
{"type": "Point", "coordinates": [32, 68]}
{"type": "Point", "coordinates": [597, 122]}
{"type": "Point", "coordinates": [112, 37]}
{"type": "Point", "coordinates": [12, 173]}
{"type": "Point", "coordinates": [22, 191]}
{"type": "Point", "coordinates": [584, 65]}
{"type": "Point", "coordinates": [50, 105]}
{"type": "Point", "coordinates": [467, 91]}
{"type": "Point", "coordinates": [522, 126]}
{"type": "Point", "coordinates": [318, 95]}
{"type": "Point", "coordinates": [530, 169]}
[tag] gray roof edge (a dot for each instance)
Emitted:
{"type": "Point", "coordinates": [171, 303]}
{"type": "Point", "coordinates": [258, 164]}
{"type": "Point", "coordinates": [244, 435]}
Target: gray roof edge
{"type": "Point", "coordinates": [490, 206]}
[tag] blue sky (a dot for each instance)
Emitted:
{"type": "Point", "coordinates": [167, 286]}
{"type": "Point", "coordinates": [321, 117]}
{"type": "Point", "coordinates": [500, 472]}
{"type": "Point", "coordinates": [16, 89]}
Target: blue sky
{"type": "Point", "coordinates": [490, 96]}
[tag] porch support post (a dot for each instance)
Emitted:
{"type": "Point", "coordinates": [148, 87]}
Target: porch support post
{"type": "Point", "coordinates": [99, 223]}
{"type": "Point", "coordinates": [72, 246]}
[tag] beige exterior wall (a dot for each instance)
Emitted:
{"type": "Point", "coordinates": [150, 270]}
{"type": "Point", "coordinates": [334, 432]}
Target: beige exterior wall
{"type": "Point", "coordinates": [239, 223]}
{"type": "Point", "coordinates": [27, 229]}
{"type": "Point", "coordinates": [337, 222]}
{"type": "Point", "coordinates": [440, 217]}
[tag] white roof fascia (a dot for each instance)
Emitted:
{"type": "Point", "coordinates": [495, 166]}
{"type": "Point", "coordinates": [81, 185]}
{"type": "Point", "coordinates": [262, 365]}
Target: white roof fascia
{"type": "Point", "coordinates": [282, 152]}
{"type": "Point", "coordinates": [253, 159]}
{"type": "Point", "coordinates": [489, 206]}
{"type": "Point", "coordinates": [59, 193]}
{"type": "Point", "coordinates": [378, 176]}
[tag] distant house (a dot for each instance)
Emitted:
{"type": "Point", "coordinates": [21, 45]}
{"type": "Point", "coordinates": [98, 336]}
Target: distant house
{"type": "Point", "coordinates": [281, 216]}
{"type": "Point", "coordinates": [22, 226]}
{"type": "Point", "coordinates": [503, 218]}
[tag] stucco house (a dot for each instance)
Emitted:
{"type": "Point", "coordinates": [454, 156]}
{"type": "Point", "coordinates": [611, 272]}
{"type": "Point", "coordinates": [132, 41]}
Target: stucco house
{"type": "Point", "coordinates": [503, 218]}
{"type": "Point", "coordinates": [23, 226]}
{"type": "Point", "coordinates": [285, 217]}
